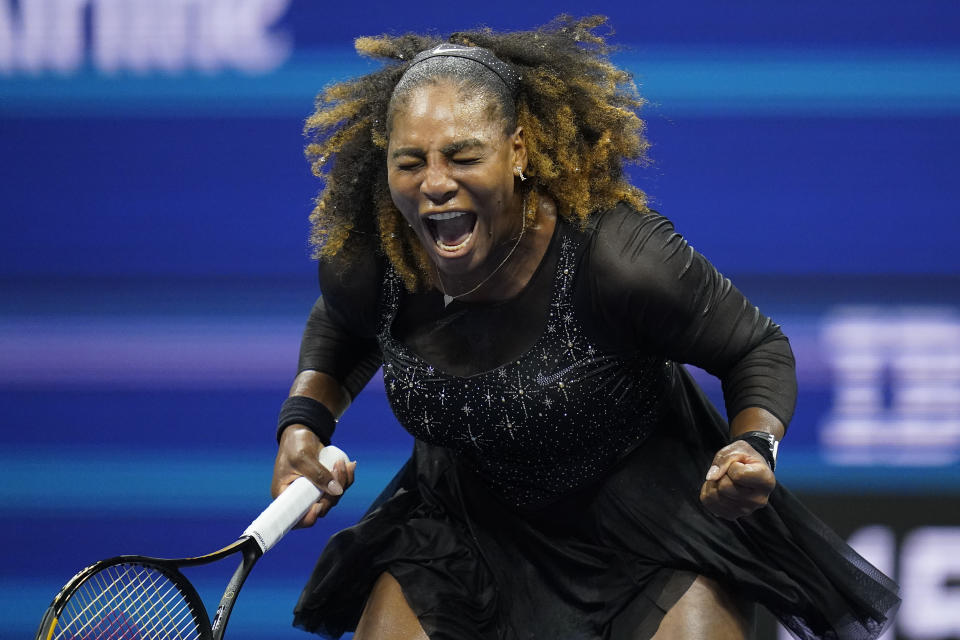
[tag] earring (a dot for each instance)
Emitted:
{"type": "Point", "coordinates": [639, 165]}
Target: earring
{"type": "Point", "coordinates": [519, 172]}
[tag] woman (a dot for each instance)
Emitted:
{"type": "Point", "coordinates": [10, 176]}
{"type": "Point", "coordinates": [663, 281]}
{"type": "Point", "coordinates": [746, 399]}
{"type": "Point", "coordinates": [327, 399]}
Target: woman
{"type": "Point", "coordinates": [477, 238]}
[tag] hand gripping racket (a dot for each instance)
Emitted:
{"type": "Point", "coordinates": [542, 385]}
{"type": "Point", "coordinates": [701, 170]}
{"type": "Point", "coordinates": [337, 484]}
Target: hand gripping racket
{"type": "Point", "coordinates": [142, 598]}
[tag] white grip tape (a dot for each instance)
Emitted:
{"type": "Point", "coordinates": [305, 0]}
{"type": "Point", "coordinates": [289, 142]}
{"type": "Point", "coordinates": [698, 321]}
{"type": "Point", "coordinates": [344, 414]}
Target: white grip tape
{"type": "Point", "coordinates": [291, 505]}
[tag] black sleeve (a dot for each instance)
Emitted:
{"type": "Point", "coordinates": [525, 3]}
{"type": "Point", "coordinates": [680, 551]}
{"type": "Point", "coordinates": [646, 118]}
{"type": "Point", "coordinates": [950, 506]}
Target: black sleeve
{"type": "Point", "coordinates": [340, 337]}
{"type": "Point", "coordinates": [652, 291]}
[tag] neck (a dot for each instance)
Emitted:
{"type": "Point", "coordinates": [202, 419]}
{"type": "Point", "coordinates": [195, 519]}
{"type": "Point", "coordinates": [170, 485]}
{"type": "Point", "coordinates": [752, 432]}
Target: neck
{"type": "Point", "coordinates": [511, 272]}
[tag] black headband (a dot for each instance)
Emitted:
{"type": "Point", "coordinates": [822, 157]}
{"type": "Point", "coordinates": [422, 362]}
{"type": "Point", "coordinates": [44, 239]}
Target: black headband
{"type": "Point", "coordinates": [478, 54]}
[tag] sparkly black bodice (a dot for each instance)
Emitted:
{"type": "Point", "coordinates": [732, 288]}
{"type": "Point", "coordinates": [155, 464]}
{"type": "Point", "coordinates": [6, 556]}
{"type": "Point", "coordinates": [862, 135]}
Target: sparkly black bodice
{"type": "Point", "coordinates": [541, 392]}
{"type": "Point", "coordinates": [541, 425]}
{"type": "Point", "coordinates": [538, 395]}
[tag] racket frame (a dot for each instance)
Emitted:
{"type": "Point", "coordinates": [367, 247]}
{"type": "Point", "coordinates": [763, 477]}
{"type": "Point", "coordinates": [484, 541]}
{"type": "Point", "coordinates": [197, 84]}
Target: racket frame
{"type": "Point", "coordinates": [264, 532]}
{"type": "Point", "coordinates": [209, 630]}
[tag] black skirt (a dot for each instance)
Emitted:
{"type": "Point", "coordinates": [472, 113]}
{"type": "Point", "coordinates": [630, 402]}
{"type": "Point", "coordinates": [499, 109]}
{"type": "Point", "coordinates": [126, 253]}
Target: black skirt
{"type": "Point", "coordinates": [604, 562]}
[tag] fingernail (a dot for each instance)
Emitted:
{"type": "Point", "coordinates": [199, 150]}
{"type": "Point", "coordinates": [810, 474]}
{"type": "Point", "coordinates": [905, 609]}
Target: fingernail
{"type": "Point", "coordinates": [713, 473]}
{"type": "Point", "coordinates": [334, 488]}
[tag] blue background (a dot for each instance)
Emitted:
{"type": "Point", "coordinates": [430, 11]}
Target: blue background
{"type": "Point", "coordinates": [155, 275]}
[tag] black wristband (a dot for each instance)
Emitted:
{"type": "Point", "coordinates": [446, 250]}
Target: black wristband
{"type": "Point", "coordinates": [765, 443]}
{"type": "Point", "coordinates": [308, 412]}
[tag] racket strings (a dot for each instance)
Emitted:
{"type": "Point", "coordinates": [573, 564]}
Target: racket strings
{"type": "Point", "coordinates": [133, 613]}
{"type": "Point", "coordinates": [101, 615]}
{"type": "Point", "coordinates": [143, 608]}
{"type": "Point", "coordinates": [147, 608]}
{"type": "Point", "coordinates": [125, 606]}
{"type": "Point", "coordinates": [128, 602]}
{"type": "Point", "coordinates": [93, 611]}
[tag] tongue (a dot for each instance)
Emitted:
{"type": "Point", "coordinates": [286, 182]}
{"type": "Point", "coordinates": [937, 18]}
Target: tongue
{"type": "Point", "coordinates": [453, 232]}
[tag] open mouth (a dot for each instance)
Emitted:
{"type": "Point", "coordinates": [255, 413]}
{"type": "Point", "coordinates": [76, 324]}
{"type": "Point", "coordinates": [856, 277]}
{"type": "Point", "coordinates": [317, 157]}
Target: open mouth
{"type": "Point", "coordinates": [452, 230]}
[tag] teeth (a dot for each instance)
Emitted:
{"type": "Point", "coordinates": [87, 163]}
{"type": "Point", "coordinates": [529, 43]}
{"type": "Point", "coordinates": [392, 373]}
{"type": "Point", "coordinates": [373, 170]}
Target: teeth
{"type": "Point", "coordinates": [450, 215]}
{"type": "Point", "coordinates": [448, 247]}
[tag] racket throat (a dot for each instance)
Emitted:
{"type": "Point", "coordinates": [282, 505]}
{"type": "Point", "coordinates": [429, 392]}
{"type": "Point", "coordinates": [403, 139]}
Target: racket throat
{"type": "Point", "coordinates": [218, 626]}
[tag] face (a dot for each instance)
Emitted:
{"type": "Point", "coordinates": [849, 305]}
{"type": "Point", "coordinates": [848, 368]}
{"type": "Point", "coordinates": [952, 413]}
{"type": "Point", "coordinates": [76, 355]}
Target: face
{"type": "Point", "coordinates": [451, 168]}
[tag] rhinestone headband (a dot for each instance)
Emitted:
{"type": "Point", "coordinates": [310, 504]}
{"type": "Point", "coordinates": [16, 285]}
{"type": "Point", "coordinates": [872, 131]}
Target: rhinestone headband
{"type": "Point", "coordinates": [478, 54]}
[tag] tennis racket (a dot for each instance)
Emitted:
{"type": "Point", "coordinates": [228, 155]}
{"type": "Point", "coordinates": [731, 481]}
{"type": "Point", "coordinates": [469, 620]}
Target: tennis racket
{"type": "Point", "coordinates": [142, 598]}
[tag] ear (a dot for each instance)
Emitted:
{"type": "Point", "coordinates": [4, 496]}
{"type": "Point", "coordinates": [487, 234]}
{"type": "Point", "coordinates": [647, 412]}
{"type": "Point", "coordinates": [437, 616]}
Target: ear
{"type": "Point", "coordinates": [519, 149]}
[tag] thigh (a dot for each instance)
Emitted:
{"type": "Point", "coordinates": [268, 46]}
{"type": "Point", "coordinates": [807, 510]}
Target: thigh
{"type": "Point", "coordinates": [387, 616]}
{"type": "Point", "coordinates": [707, 611]}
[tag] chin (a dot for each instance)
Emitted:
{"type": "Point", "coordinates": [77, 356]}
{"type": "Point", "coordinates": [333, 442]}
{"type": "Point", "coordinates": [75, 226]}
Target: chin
{"type": "Point", "coordinates": [457, 264]}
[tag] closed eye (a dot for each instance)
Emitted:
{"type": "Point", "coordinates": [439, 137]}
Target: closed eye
{"type": "Point", "coordinates": [409, 165]}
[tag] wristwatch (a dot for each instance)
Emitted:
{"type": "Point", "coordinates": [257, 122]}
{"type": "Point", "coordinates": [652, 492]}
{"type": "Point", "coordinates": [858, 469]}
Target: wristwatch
{"type": "Point", "coordinates": [765, 443]}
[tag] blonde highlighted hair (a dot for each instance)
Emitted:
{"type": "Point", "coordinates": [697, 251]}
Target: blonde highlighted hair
{"type": "Point", "coordinates": [579, 114]}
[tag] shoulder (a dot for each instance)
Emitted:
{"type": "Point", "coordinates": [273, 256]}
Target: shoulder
{"type": "Point", "coordinates": [623, 241]}
{"type": "Point", "coordinates": [359, 267]}
{"type": "Point", "coordinates": [350, 283]}
{"type": "Point", "coordinates": [624, 217]}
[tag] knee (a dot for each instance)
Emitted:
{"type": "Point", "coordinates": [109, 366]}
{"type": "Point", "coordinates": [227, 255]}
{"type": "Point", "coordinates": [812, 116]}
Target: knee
{"type": "Point", "coordinates": [387, 614]}
{"type": "Point", "coordinates": [708, 610]}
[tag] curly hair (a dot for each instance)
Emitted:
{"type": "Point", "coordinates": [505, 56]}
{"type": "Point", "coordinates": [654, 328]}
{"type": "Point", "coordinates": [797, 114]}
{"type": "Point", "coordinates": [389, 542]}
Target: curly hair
{"type": "Point", "coordinates": [578, 111]}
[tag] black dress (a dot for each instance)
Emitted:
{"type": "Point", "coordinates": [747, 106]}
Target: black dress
{"type": "Point", "coordinates": [553, 491]}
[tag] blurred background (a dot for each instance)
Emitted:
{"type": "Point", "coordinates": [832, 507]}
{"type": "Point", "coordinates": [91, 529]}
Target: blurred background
{"type": "Point", "coordinates": [155, 274]}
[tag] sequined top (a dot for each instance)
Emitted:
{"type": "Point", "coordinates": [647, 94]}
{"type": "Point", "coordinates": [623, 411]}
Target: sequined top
{"type": "Point", "coordinates": [543, 392]}
{"type": "Point", "coordinates": [532, 428]}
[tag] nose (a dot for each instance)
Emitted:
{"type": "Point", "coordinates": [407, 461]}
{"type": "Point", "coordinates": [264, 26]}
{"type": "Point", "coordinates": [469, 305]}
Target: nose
{"type": "Point", "coordinates": [438, 186]}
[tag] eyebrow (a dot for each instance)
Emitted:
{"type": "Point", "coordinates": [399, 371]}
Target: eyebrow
{"type": "Point", "coordinates": [447, 150]}
{"type": "Point", "coordinates": [460, 145]}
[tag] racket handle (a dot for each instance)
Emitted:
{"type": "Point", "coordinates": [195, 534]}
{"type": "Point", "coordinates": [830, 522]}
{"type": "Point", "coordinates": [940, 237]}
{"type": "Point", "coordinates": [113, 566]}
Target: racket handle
{"type": "Point", "coordinates": [291, 505]}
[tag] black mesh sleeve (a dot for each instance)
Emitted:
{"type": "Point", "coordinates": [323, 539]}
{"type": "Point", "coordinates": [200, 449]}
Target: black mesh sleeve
{"type": "Point", "coordinates": [651, 290]}
{"type": "Point", "coordinates": [339, 338]}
